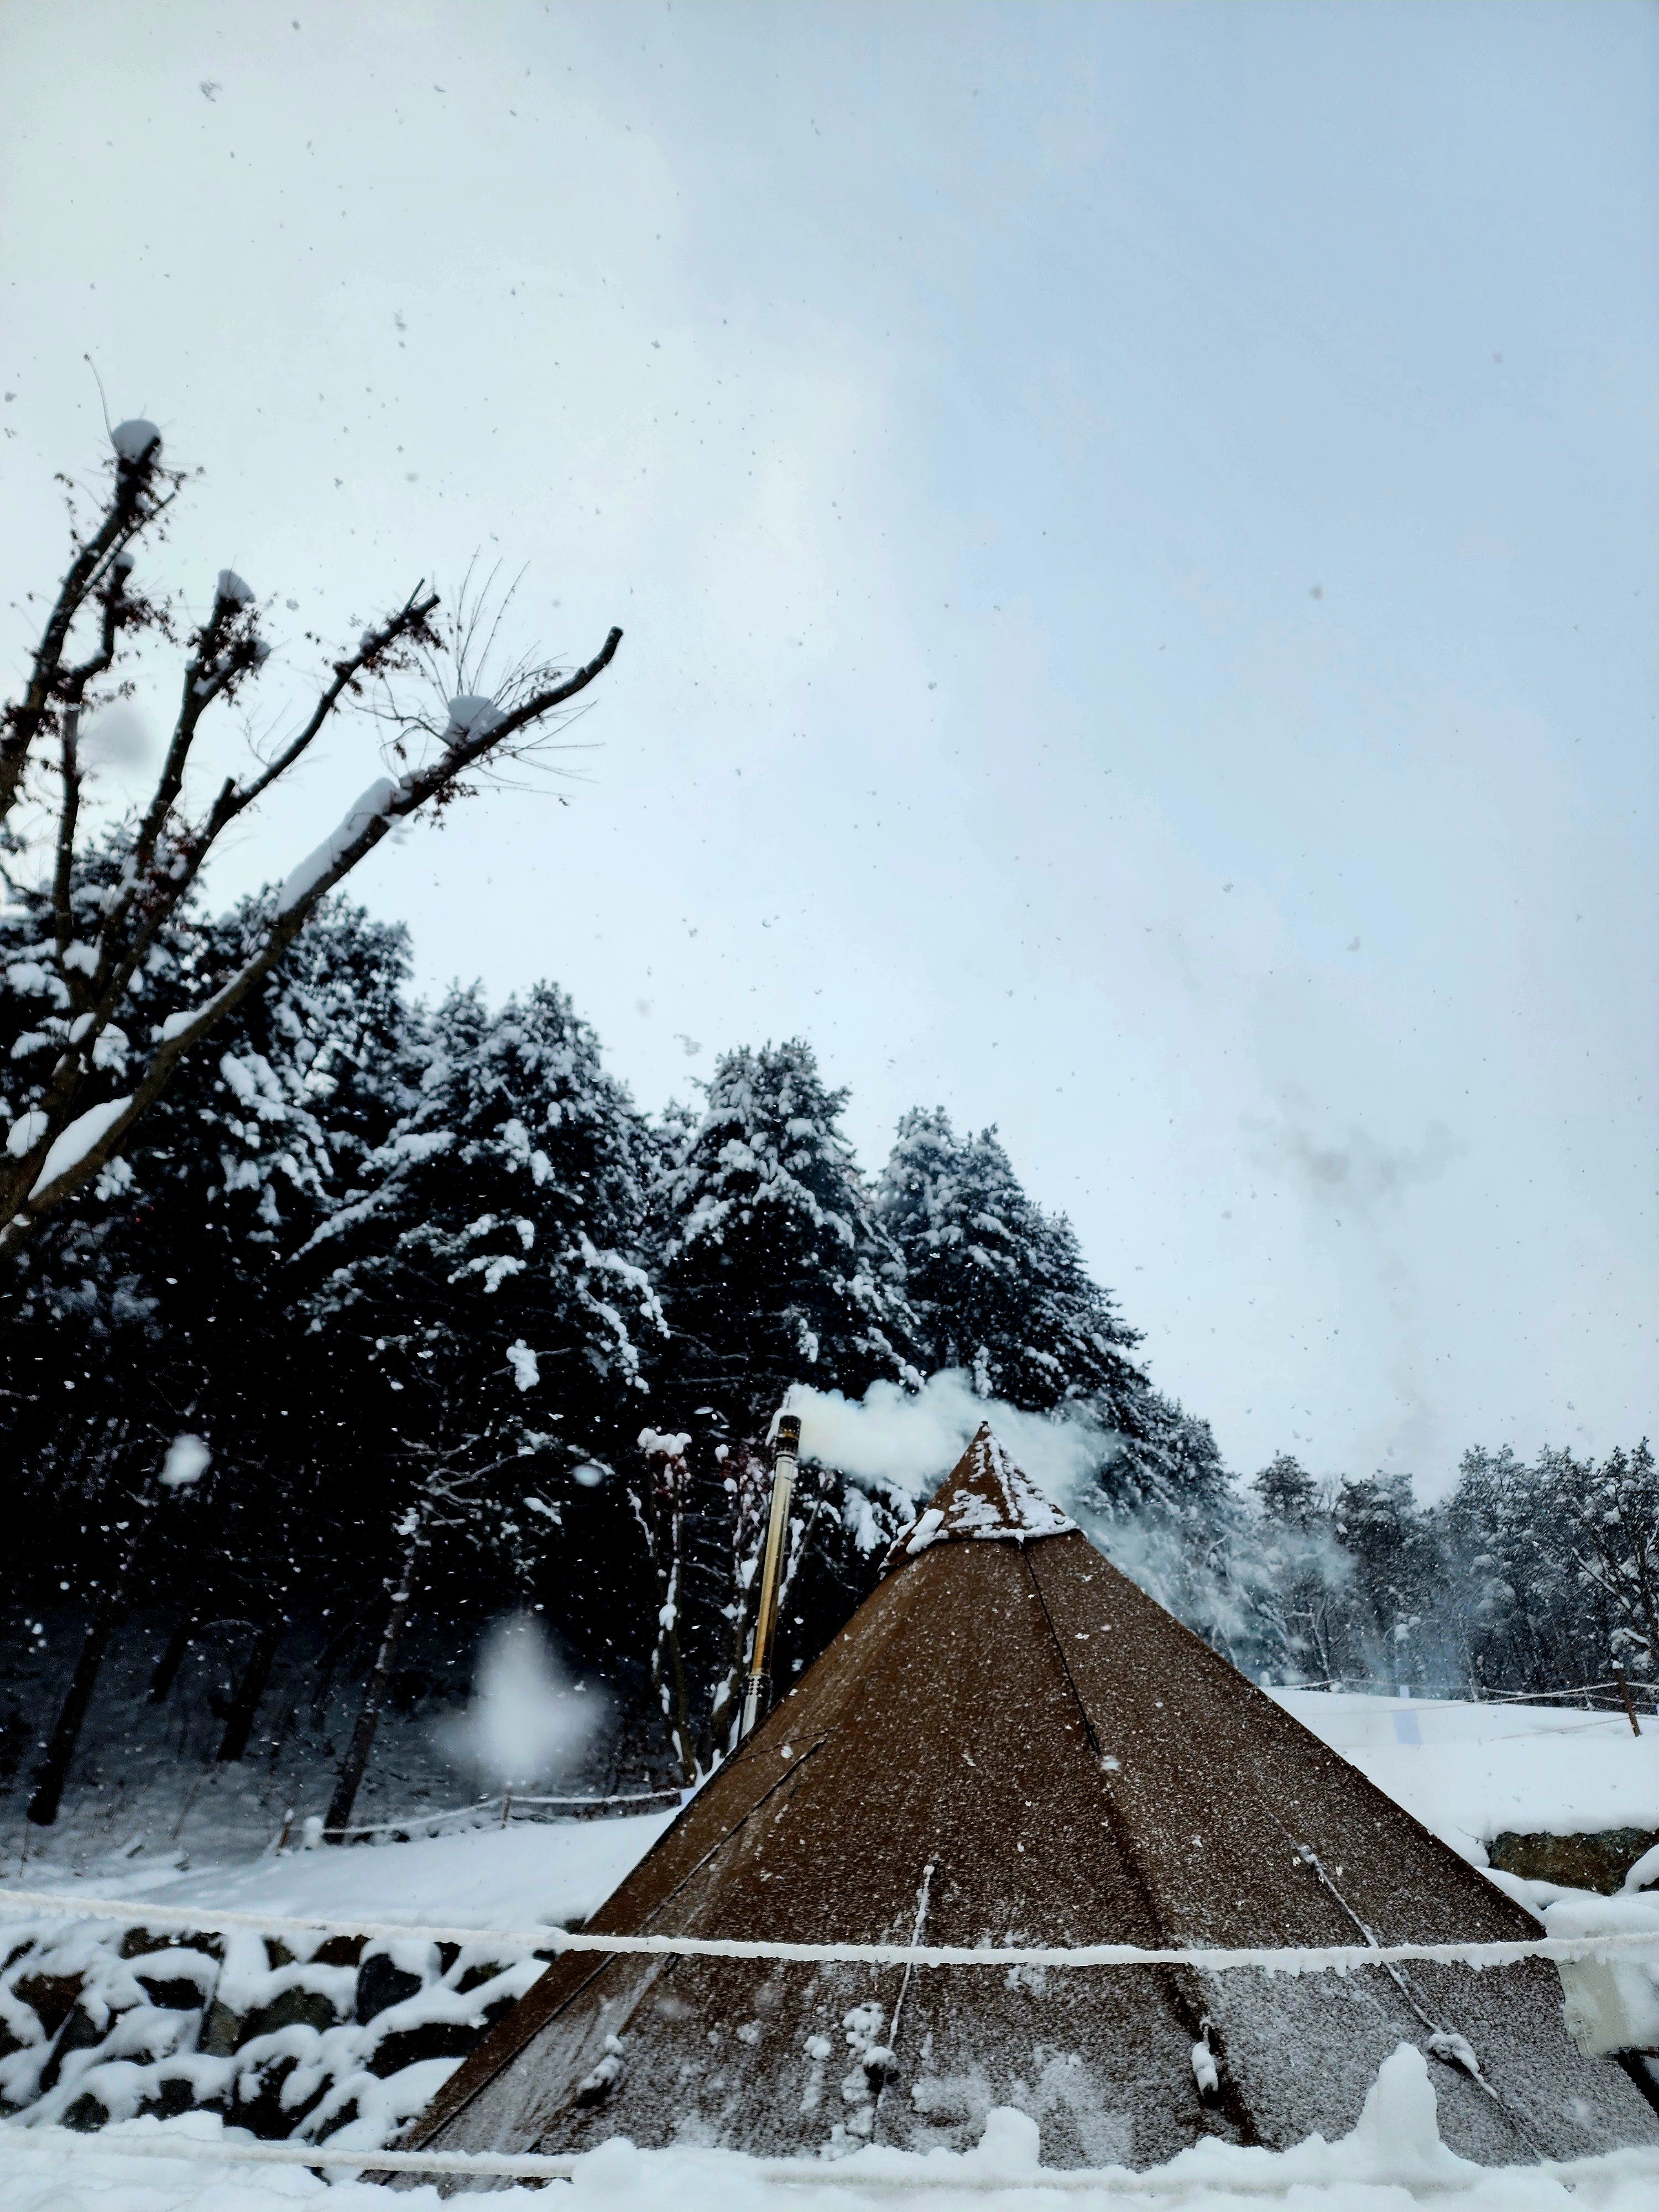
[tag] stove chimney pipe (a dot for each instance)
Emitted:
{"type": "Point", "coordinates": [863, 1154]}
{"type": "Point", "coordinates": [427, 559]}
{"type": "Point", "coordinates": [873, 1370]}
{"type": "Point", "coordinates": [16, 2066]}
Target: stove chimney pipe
{"type": "Point", "coordinates": [786, 1452]}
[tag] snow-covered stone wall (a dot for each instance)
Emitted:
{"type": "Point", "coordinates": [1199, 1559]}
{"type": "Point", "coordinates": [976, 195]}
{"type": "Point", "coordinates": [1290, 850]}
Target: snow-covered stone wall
{"type": "Point", "coordinates": [332, 2038]}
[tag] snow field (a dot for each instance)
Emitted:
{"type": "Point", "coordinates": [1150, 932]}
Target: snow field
{"type": "Point", "coordinates": [540, 1874]}
{"type": "Point", "coordinates": [1469, 1773]}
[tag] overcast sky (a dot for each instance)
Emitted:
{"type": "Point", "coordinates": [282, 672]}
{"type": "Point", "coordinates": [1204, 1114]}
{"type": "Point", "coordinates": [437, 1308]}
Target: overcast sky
{"type": "Point", "coordinates": [1133, 526]}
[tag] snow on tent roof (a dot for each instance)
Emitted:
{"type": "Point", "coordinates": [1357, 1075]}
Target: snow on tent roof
{"type": "Point", "coordinates": [1011, 1743]}
{"type": "Point", "coordinates": [986, 1496]}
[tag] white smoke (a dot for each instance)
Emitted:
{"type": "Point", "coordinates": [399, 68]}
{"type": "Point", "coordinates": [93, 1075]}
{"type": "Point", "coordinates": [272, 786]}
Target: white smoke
{"type": "Point", "coordinates": [1209, 1574]}
{"type": "Point", "coordinates": [527, 1723]}
{"type": "Point", "coordinates": [908, 1441]}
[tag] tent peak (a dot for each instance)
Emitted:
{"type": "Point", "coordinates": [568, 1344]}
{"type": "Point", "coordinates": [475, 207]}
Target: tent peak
{"type": "Point", "coordinates": [984, 1495]}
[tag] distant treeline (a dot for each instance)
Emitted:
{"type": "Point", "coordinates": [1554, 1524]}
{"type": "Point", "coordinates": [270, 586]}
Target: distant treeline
{"type": "Point", "coordinates": [463, 1329]}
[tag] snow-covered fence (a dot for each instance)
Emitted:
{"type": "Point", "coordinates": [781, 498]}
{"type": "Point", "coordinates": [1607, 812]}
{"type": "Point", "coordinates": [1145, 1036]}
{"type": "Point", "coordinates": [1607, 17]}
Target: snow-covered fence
{"type": "Point", "coordinates": [510, 1804]}
{"type": "Point", "coordinates": [1611, 1694]}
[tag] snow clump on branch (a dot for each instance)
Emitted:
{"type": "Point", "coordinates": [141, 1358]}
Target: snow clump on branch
{"type": "Point", "coordinates": [133, 439]}
{"type": "Point", "coordinates": [27, 1132]}
{"type": "Point", "coordinates": [472, 714]}
{"type": "Point", "coordinates": [72, 1144]}
{"type": "Point", "coordinates": [315, 865]}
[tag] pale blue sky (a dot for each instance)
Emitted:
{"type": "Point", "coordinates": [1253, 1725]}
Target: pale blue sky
{"type": "Point", "coordinates": [1134, 530]}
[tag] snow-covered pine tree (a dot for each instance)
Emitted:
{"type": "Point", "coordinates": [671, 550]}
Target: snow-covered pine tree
{"type": "Point", "coordinates": [260, 1146]}
{"type": "Point", "coordinates": [1519, 1614]}
{"type": "Point", "coordinates": [1614, 1538]}
{"type": "Point", "coordinates": [1286, 1491]}
{"type": "Point", "coordinates": [1001, 1293]}
{"type": "Point", "coordinates": [243, 1156]}
{"type": "Point", "coordinates": [1171, 1458]}
{"type": "Point", "coordinates": [775, 1266]}
{"type": "Point", "coordinates": [1396, 1573]}
{"type": "Point", "coordinates": [774, 1269]}
{"type": "Point", "coordinates": [160, 1287]}
{"type": "Point", "coordinates": [1293, 1579]}
{"type": "Point", "coordinates": [999, 1287]}
{"type": "Point", "coordinates": [490, 1260]}
{"type": "Point", "coordinates": [488, 1279]}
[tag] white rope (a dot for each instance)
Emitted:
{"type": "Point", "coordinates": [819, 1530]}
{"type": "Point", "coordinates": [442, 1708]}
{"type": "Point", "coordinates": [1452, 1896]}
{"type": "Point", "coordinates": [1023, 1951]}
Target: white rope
{"type": "Point", "coordinates": [1273, 1959]}
{"type": "Point", "coordinates": [1627, 2165]}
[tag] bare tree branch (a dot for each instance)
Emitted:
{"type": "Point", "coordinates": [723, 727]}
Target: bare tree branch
{"type": "Point", "coordinates": [69, 816]}
{"type": "Point", "coordinates": [63, 1144]}
{"type": "Point", "coordinates": [134, 505]}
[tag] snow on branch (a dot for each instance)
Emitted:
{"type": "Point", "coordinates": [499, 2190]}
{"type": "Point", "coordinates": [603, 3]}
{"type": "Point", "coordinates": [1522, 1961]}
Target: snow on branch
{"type": "Point", "coordinates": [375, 801]}
{"type": "Point", "coordinates": [75, 1144]}
{"type": "Point", "coordinates": [62, 1138]}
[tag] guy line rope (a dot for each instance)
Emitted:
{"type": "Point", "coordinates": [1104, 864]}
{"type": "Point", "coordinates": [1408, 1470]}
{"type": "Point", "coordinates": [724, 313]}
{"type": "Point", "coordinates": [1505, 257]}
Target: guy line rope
{"type": "Point", "coordinates": [529, 2165]}
{"type": "Point", "coordinates": [1339, 1958]}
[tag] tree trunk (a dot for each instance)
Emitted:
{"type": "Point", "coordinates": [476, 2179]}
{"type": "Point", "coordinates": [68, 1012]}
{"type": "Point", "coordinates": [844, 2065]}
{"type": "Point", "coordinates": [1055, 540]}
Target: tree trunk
{"type": "Point", "coordinates": [362, 1736]}
{"type": "Point", "coordinates": [239, 1722]}
{"type": "Point", "coordinates": [668, 1679]}
{"type": "Point", "coordinates": [166, 1670]}
{"type": "Point", "coordinates": [53, 1769]}
{"type": "Point", "coordinates": [1642, 1575]}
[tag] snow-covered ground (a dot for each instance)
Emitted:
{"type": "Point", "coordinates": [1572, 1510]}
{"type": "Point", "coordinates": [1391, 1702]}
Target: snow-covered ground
{"type": "Point", "coordinates": [1470, 1773]}
{"type": "Point", "coordinates": [549, 1874]}
{"type": "Point", "coordinates": [1393, 2160]}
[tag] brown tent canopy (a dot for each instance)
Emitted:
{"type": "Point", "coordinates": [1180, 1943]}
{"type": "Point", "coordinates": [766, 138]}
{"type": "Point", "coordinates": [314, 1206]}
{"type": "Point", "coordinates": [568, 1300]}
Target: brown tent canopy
{"type": "Point", "coordinates": [1011, 1743]}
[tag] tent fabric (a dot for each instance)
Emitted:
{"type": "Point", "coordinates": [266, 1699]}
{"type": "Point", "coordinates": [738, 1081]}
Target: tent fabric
{"type": "Point", "coordinates": [1009, 1742]}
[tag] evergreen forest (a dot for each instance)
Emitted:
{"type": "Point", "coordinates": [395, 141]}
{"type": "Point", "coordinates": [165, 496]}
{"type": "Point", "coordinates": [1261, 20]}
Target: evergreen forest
{"type": "Point", "coordinates": [465, 1332]}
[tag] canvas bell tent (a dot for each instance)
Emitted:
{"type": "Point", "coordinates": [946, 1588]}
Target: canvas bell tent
{"type": "Point", "coordinates": [1010, 1744]}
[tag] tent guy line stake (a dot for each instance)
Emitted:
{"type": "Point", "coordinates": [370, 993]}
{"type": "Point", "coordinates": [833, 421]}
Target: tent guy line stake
{"type": "Point", "coordinates": [848, 2173]}
{"type": "Point", "coordinates": [1285, 1958]}
{"type": "Point", "coordinates": [1446, 2044]}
